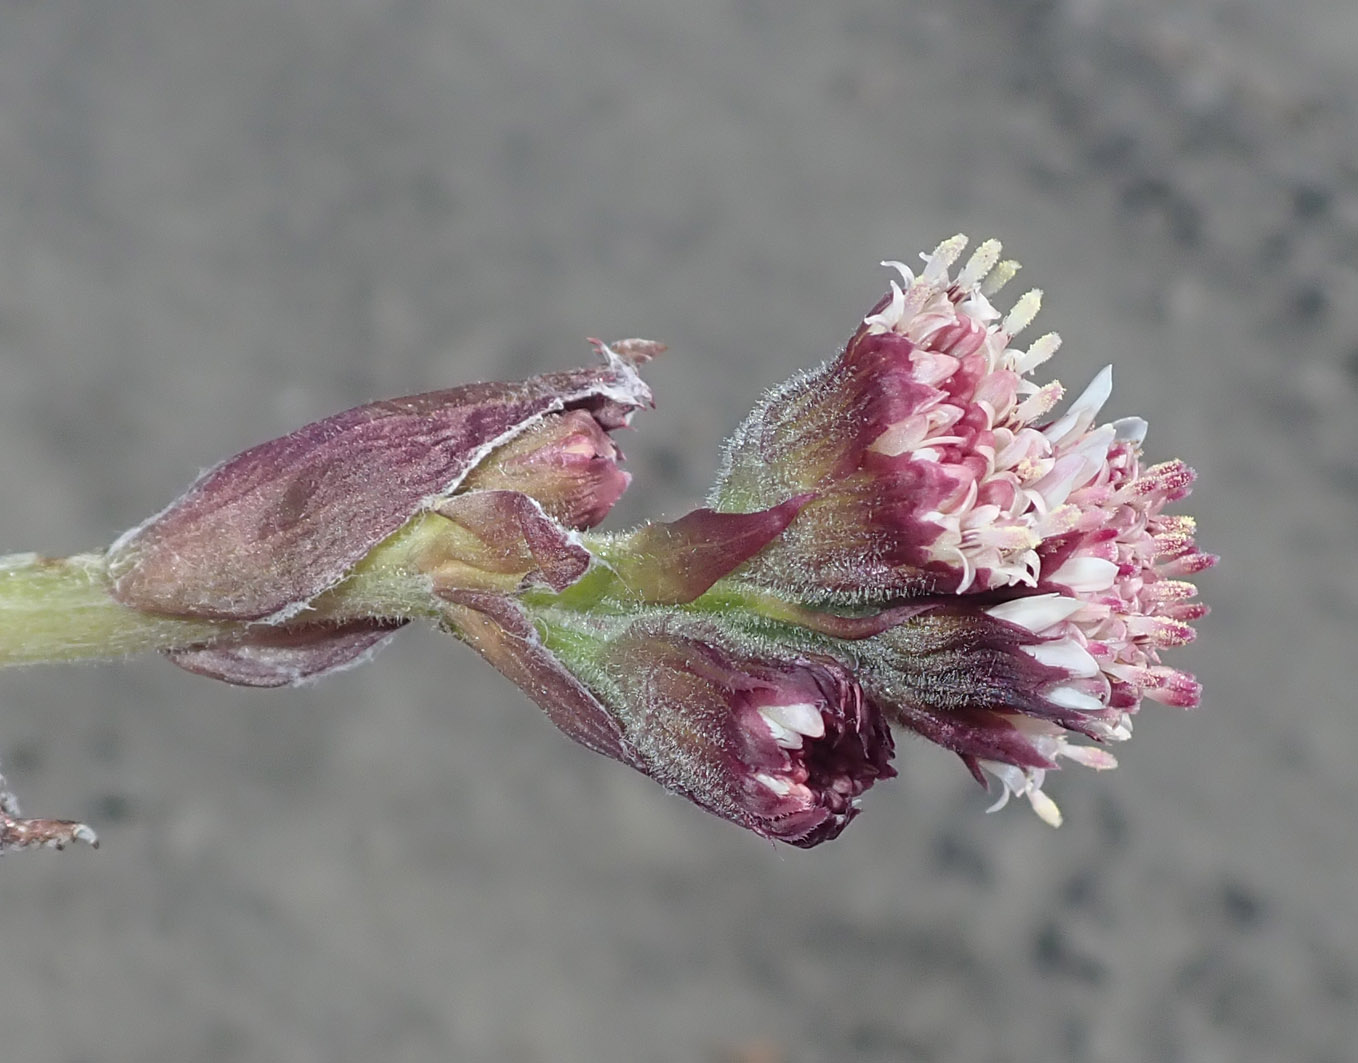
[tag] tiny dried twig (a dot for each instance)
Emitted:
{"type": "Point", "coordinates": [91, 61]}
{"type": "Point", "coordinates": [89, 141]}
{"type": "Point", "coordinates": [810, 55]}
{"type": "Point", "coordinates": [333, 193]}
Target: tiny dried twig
{"type": "Point", "coordinates": [19, 833]}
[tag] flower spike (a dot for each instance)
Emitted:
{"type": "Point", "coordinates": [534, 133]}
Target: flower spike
{"type": "Point", "coordinates": [914, 534]}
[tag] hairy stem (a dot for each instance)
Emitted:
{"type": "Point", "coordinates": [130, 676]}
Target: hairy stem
{"type": "Point", "coordinates": [59, 609]}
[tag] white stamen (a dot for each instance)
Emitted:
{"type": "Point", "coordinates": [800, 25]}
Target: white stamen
{"type": "Point", "coordinates": [1086, 575]}
{"type": "Point", "coordinates": [1038, 352]}
{"type": "Point", "coordinates": [1070, 471]}
{"type": "Point", "coordinates": [907, 274]}
{"type": "Point", "coordinates": [1000, 276]}
{"type": "Point", "coordinates": [1045, 807]}
{"type": "Point", "coordinates": [977, 307]}
{"type": "Point", "coordinates": [786, 737]}
{"type": "Point", "coordinates": [1023, 312]}
{"type": "Point", "coordinates": [945, 254]}
{"type": "Point", "coordinates": [899, 438]}
{"type": "Point", "coordinates": [1036, 613]}
{"type": "Point", "coordinates": [1069, 698]}
{"type": "Point", "coordinates": [1094, 447]}
{"type": "Point", "coordinates": [1038, 403]}
{"type": "Point", "coordinates": [1091, 757]}
{"type": "Point", "coordinates": [1091, 400]}
{"type": "Point", "coordinates": [802, 717]}
{"type": "Point", "coordinates": [890, 315]}
{"type": "Point", "coordinates": [968, 572]}
{"type": "Point", "coordinates": [1130, 429]}
{"type": "Point", "coordinates": [1066, 654]}
{"type": "Point", "coordinates": [1012, 780]}
{"type": "Point", "coordinates": [1084, 409]}
{"type": "Point", "coordinates": [980, 264]}
{"type": "Point", "coordinates": [779, 786]}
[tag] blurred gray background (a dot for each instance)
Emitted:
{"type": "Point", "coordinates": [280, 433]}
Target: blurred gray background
{"type": "Point", "coordinates": [220, 220]}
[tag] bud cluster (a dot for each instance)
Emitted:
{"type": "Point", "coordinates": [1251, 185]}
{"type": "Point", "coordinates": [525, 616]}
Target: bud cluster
{"type": "Point", "coordinates": [910, 535]}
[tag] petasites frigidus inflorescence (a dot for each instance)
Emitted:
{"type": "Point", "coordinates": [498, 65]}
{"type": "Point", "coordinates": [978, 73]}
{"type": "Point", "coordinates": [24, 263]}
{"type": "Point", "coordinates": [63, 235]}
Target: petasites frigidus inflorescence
{"type": "Point", "coordinates": [913, 535]}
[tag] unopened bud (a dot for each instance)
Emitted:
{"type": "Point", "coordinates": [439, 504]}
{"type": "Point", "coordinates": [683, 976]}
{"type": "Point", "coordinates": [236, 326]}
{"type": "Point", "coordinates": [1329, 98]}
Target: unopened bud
{"type": "Point", "coordinates": [566, 462]}
{"type": "Point", "coordinates": [263, 534]}
{"type": "Point", "coordinates": [780, 742]}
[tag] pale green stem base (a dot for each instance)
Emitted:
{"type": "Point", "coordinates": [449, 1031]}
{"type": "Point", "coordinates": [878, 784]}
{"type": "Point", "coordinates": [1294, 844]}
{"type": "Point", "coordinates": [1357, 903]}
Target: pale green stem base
{"type": "Point", "coordinates": [59, 609]}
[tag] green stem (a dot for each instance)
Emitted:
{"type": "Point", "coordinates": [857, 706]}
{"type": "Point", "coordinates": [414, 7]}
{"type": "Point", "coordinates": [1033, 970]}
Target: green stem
{"type": "Point", "coordinates": [59, 609]}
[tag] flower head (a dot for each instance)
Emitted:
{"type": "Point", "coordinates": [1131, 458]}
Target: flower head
{"type": "Point", "coordinates": [780, 742]}
{"type": "Point", "coordinates": [1008, 700]}
{"type": "Point", "coordinates": [940, 475]}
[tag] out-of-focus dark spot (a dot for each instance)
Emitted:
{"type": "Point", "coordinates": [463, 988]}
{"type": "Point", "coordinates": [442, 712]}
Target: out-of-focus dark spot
{"type": "Point", "coordinates": [1054, 955]}
{"type": "Point", "coordinates": [1308, 302]}
{"type": "Point", "coordinates": [25, 757]}
{"type": "Point", "coordinates": [924, 949]}
{"type": "Point", "coordinates": [760, 967]}
{"type": "Point", "coordinates": [1228, 994]}
{"type": "Point", "coordinates": [1035, 21]}
{"type": "Point", "coordinates": [1194, 972]}
{"type": "Point", "coordinates": [957, 856]}
{"type": "Point", "coordinates": [1156, 197]}
{"type": "Point", "coordinates": [1337, 977]}
{"type": "Point", "coordinates": [1185, 222]}
{"type": "Point", "coordinates": [1081, 889]}
{"type": "Point", "coordinates": [112, 808]}
{"type": "Point", "coordinates": [647, 966]}
{"type": "Point", "coordinates": [1285, 406]}
{"type": "Point", "coordinates": [1243, 908]}
{"type": "Point", "coordinates": [226, 1040]}
{"type": "Point", "coordinates": [844, 87]}
{"type": "Point", "coordinates": [106, 746]}
{"type": "Point", "coordinates": [520, 155]}
{"type": "Point", "coordinates": [1113, 824]}
{"type": "Point", "coordinates": [1293, 752]}
{"type": "Point", "coordinates": [1351, 363]}
{"type": "Point", "coordinates": [1344, 478]}
{"type": "Point", "coordinates": [752, 1050]}
{"type": "Point", "coordinates": [1310, 201]}
{"type": "Point", "coordinates": [1112, 152]}
{"type": "Point", "coordinates": [891, 24]}
{"type": "Point", "coordinates": [667, 464]}
{"type": "Point", "coordinates": [1075, 1037]}
{"type": "Point", "coordinates": [1240, 1000]}
{"type": "Point", "coordinates": [1068, 113]}
{"type": "Point", "coordinates": [1275, 248]}
{"type": "Point", "coordinates": [755, 12]}
{"type": "Point", "coordinates": [874, 1039]}
{"type": "Point", "coordinates": [431, 193]}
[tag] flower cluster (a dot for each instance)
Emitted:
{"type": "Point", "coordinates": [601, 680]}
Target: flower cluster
{"type": "Point", "coordinates": [910, 535]}
{"type": "Point", "coordinates": [782, 743]}
{"type": "Point", "coordinates": [1033, 546]}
